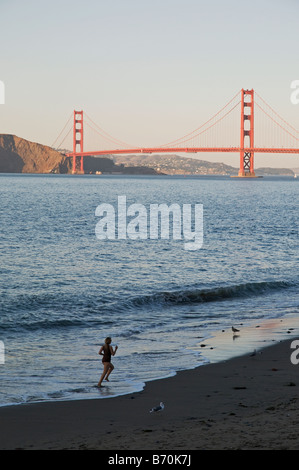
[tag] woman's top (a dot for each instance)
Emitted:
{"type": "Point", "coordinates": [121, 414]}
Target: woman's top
{"type": "Point", "coordinates": [107, 354]}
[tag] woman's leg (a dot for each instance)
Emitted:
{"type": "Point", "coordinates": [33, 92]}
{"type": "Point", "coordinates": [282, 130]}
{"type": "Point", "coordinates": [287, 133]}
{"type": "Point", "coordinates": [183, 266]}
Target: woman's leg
{"type": "Point", "coordinates": [110, 369]}
{"type": "Point", "coordinates": [106, 367]}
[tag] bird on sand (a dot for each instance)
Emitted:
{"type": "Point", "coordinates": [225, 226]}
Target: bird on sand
{"type": "Point", "coordinates": [235, 330]}
{"type": "Point", "coordinates": [157, 408]}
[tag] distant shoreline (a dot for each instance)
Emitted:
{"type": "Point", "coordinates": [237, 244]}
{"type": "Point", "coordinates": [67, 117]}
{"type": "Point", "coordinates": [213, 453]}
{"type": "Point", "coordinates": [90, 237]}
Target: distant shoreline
{"type": "Point", "coordinates": [103, 175]}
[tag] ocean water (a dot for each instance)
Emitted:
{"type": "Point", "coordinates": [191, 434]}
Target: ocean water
{"type": "Point", "coordinates": [63, 290]}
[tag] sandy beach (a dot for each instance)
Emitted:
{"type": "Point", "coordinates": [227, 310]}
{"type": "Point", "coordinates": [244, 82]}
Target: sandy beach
{"type": "Point", "coordinates": [247, 402]}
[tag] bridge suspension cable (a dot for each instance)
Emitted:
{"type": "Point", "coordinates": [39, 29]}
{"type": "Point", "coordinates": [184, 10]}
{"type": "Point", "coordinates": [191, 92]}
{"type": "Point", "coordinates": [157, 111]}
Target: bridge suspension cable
{"type": "Point", "coordinates": [68, 121]}
{"type": "Point", "coordinates": [276, 122]}
{"type": "Point", "coordinates": [105, 134]}
{"type": "Point", "coordinates": [208, 128]}
{"type": "Point", "coordinates": [272, 130]}
{"type": "Point", "coordinates": [195, 132]}
{"type": "Point", "coordinates": [278, 115]}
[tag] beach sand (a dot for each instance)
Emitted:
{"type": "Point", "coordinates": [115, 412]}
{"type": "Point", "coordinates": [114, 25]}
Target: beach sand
{"type": "Point", "coordinates": [247, 402]}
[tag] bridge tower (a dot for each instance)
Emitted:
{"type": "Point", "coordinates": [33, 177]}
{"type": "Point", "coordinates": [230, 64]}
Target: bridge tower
{"type": "Point", "coordinates": [247, 134]}
{"type": "Point", "coordinates": [78, 140]}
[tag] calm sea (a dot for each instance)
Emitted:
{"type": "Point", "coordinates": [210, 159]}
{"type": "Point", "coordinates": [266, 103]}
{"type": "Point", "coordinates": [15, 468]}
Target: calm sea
{"type": "Point", "coordinates": [63, 290]}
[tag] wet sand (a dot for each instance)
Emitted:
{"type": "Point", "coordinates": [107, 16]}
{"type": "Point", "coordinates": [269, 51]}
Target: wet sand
{"type": "Point", "coordinates": [248, 402]}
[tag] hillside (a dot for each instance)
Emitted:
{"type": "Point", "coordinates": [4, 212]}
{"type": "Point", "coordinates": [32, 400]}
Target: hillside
{"type": "Point", "coordinates": [274, 172]}
{"type": "Point", "coordinates": [18, 155]}
{"type": "Point", "coordinates": [176, 165]}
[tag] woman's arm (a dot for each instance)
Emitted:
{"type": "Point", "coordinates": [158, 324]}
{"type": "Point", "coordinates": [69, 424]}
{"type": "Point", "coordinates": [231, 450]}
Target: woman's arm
{"type": "Point", "coordinates": [101, 351]}
{"type": "Point", "coordinates": [113, 352]}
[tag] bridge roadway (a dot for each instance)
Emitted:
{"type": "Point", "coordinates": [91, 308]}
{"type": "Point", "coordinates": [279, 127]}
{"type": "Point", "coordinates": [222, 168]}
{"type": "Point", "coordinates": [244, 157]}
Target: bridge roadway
{"type": "Point", "coordinates": [149, 150]}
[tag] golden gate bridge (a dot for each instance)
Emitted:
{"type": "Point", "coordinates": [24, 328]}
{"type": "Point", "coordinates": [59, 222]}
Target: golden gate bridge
{"type": "Point", "coordinates": [246, 125]}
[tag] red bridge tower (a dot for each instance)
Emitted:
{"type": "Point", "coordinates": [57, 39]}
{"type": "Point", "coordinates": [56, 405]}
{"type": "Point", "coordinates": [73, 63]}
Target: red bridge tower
{"type": "Point", "coordinates": [247, 134]}
{"type": "Point", "coordinates": [78, 140]}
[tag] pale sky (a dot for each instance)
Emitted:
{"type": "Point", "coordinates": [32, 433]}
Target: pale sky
{"type": "Point", "coordinates": [146, 71]}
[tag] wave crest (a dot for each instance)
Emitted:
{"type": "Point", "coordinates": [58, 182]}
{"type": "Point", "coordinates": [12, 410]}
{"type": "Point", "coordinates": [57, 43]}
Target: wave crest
{"type": "Point", "coordinates": [209, 295]}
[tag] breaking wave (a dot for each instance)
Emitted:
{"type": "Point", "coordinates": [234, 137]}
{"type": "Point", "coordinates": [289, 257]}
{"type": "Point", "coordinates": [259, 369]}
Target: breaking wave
{"type": "Point", "coordinates": [190, 296]}
{"type": "Point", "coordinates": [45, 313]}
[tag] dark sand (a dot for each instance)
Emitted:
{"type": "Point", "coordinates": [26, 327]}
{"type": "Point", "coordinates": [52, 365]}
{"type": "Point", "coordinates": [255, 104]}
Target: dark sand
{"type": "Point", "coordinates": [248, 402]}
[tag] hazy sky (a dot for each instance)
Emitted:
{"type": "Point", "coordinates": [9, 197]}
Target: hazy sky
{"type": "Point", "coordinates": [147, 71]}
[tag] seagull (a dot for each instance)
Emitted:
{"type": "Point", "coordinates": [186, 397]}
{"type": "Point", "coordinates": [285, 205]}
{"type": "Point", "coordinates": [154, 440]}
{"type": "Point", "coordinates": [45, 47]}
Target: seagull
{"type": "Point", "coordinates": [157, 408]}
{"type": "Point", "coordinates": [234, 330]}
{"type": "Point", "coordinates": [255, 352]}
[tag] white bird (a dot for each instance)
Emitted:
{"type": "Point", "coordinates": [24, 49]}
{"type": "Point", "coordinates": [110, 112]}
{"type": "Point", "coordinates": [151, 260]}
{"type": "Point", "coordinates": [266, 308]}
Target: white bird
{"type": "Point", "coordinates": [234, 330]}
{"type": "Point", "coordinates": [157, 408]}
